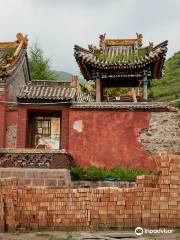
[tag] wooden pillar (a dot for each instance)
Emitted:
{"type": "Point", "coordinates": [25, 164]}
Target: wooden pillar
{"type": "Point", "coordinates": [145, 83]}
{"type": "Point", "coordinates": [98, 90]}
{"type": "Point", "coordinates": [134, 95]}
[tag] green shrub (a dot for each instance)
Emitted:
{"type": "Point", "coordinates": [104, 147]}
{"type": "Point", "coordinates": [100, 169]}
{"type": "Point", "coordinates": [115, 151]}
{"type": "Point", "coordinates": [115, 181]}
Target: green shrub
{"type": "Point", "coordinates": [77, 172]}
{"type": "Point", "coordinates": [116, 173]}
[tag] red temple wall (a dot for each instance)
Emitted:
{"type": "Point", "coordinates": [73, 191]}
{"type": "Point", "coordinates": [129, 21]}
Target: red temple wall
{"type": "Point", "coordinates": [2, 124]}
{"type": "Point", "coordinates": [104, 138]}
{"type": "Point", "coordinates": [108, 138]}
{"type": "Point", "coordinates": [3, 106]}
{"type": "Point", "coordinates": [11, 128]}
{"type": "Point", "coordinates": [22, 121]}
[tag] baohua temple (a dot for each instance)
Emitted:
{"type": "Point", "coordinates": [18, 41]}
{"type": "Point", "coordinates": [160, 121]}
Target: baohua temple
{"type": "Point", "coordinates": [58, 118]}
{"type": "Point", "coordinates": [121, 63]}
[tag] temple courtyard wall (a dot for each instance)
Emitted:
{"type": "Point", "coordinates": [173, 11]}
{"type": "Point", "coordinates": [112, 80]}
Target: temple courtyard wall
{"type": "Point", "coordinates": [100, 137]}
{"type": "Point", "coordinates": [109, 138]}
{"type": "Point", "coordinates": [154, 202]}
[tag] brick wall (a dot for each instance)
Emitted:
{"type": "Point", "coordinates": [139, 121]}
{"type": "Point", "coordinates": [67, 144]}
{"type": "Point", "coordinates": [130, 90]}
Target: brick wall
{"type": "Point", "coordinates": [153, 202]}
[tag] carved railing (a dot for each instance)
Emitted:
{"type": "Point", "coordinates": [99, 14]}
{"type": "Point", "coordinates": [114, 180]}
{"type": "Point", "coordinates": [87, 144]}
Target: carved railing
{"type": "Point", "coordinates": [26, 158]}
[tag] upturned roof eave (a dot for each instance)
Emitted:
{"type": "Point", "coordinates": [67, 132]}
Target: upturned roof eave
{"type": "Point", "coordinates": [19, 45]}
{"type": "Point", "coordinates": [86, 59]}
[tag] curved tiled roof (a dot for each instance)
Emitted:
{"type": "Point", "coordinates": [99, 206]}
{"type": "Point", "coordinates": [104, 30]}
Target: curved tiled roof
{"type": "Point", "coordinates": [44, 92]}
{"type": "Point", "coordinates": [11, 53]}
{"type": "Point", "coordinates": [121, 57]}
{"type": "Point", "coordinates": [51, 93]}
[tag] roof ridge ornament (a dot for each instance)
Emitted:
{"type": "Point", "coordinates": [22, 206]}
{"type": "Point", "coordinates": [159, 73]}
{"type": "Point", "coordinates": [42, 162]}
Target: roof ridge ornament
{"type": "Point", "coordinates": [92, 48]}
{"type": "Point", "coordinates": [102, 42]}
{"type": "Point", "coordinates": [21, 38]}
{"type": "Point", "coordinates": [139, 39]}
{"type": "Point", "coordinates": [151, 46]}
{"type": "Point", "coordinates": [12, 53]}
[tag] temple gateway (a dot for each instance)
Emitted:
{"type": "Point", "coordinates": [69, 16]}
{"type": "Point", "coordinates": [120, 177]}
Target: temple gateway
{"type": "Point", "coordinates": [58, 118]}
{"type": "Point", "coordinates": [121, 63]}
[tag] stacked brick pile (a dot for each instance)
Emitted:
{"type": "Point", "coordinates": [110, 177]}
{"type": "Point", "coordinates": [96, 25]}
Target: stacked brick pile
{"type": "Point", "coordinates": [1, 214]}
{"type": "Point", "coordinates": [153, 202]}
{"type": "Point", "coordinates": [53, 208]}
{"type": "Point", "coordinates": [8, 190]}
{"type": "Point", "coordinates": [169, 185]}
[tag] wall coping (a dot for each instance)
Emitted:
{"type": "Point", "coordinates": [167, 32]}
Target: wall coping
{"type": "Point", "coordinates": [147, 106]}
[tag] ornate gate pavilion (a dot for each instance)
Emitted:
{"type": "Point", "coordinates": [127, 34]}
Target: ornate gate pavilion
{"type": "Point", "coordinates": [121, 63]}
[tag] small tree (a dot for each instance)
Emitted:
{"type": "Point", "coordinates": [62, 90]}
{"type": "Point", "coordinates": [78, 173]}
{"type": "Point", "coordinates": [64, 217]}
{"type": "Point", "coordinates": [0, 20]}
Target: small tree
{"type": "Point", "coordinates": [38, 65]}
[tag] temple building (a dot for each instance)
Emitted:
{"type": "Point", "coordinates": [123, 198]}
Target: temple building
{"type": "Point", "coordinates": [121, 63]}
{"type": "Point", "coordinates": [54, 115]}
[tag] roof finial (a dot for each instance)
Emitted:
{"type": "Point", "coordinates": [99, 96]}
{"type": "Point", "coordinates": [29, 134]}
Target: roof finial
{"type": "Point", "coordinates": [20, 38]}
{"type": "Point", "coordinates": [102, 42]}
{"type": "Point", "coordinates": [151, 45]}
{"type": "Point", "coordinates": [139, 39]}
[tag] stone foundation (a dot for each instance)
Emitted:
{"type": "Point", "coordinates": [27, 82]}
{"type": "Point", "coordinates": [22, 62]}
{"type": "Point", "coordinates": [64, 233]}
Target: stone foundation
{"type": "Point", "coordinates": [55, 178]}
{"type": "Point", "coordinates": [95, 184]}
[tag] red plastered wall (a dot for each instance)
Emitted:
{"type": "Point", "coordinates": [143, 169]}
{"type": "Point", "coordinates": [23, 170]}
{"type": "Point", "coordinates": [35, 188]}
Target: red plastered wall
{"type": "Point", "coordinates": [2, 124]}
{"type": "Point", "coordinates": [109, 138]}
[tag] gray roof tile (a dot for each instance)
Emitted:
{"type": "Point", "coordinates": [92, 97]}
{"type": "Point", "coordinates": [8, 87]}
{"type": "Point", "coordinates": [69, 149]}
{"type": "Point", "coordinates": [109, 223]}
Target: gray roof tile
{"type": "Point", "coordinates": [46, 92]}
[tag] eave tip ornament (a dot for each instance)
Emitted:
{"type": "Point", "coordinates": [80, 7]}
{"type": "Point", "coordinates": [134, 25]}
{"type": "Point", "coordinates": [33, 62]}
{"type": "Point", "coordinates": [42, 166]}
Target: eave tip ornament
{"type": "Point", "coordinates": [139, 39]}
{"type": "Point", "coordinates": [22, 39]}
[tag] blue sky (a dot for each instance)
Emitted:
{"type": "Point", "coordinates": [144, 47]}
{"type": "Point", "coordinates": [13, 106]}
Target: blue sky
{"type": "Point", "coordinates": [57, 25]}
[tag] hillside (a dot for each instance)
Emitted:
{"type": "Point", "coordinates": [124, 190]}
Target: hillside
{"type": "Point", "coordinates": [168, 88]}
{"type": "Point", "coordinates": [65, 76]}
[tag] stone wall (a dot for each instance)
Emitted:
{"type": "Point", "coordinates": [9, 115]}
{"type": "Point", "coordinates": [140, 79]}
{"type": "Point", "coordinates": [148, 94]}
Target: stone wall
{"type": "Point", "coordinates": [54, 178]}
{"type": "Point", "coordinates": [96, 184]}
{"type": "Point", "coordinates": [153, 202]}
{"type": "Point", "coordinates": [163, 134]}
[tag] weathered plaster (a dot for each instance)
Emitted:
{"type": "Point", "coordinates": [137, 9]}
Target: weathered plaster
{"type": "Point", "coordinates": [11, 135]}
{"type": "Point", "coordinates": [108, 138]}
{"type": "Point", "coordinates": [163, 134]}
{"type": "Point", "coordinates": [78, 125]}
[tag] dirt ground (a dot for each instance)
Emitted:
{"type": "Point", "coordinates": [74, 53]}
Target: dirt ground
{"type": "Point", "coordinates": [122, 235]}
